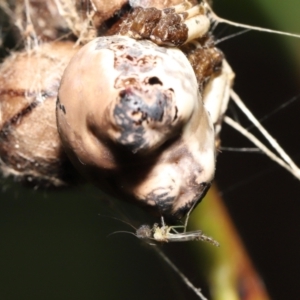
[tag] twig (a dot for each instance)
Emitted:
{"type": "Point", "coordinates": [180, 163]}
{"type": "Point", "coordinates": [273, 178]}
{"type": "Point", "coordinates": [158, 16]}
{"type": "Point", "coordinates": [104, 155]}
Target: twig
{"type": "Point", "coordinates": [293, 167]}
{"type": "Point", "coordinates": [259, 144]}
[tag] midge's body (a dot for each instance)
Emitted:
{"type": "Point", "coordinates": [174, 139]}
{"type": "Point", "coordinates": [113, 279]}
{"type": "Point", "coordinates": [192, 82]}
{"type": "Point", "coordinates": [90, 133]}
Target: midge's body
{"type": "Point", "coordinates": [165, 234]}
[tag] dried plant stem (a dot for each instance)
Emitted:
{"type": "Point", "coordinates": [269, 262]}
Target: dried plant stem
{"type": "Point", "coordinates": [285, 161]}
{"type": "Point", "coordinates": [255, 122]}
{"type": "Point", "coordinates": [259, 144]}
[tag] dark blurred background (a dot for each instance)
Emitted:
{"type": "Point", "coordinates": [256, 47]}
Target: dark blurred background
{"type": "Point", "coordinates": [264, 199]}
{"type": "Point", "coordinates": [54, 245]}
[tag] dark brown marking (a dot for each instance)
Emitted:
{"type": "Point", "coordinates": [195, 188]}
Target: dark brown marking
{"type": "Point", "coordinates": [154, 80]}
{"type": "Point", "coordinates": [16, 119]}
{"type": "Point", "coordinates": [176, 113]}
{"type": "Point", "coordinates": [62, 108]}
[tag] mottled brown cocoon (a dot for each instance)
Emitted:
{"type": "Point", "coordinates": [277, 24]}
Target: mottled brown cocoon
{"type": "Point", "coordinates": [30, 148]}
{"type": "Point", "coordinates": [132, 121]}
